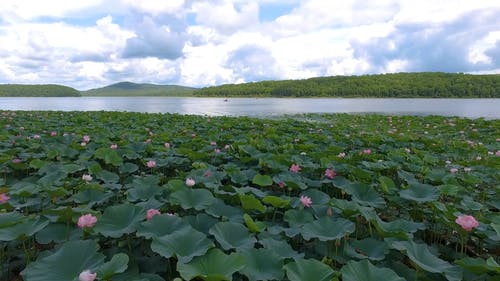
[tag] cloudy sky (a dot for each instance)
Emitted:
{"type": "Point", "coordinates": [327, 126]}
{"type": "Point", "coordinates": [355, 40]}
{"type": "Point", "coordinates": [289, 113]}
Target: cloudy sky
{"type": "Point", "coordinates": [92, 43]}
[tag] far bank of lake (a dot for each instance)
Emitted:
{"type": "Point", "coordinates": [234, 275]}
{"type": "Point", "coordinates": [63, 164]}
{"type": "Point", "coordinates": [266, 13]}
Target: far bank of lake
{"type": "Point", "coordinates": [470, 108]}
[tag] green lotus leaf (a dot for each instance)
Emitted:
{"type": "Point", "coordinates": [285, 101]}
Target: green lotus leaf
{"type": "Point", "coordinates": [450, 189]}
{"type": "Point", "coordinates": [222, 210]}
{"type": "Point", "coordinates": [161, 225]}
{"type": "Point", "coordinates": [365, 195]}
{"type": "Point", "coordinates": [66, 263]}
{"type": "Point", "coordinates": [185, 244]}
{"type": "Point", "coordinates": [25, 189]}
{"type": "Point", "coordinates": [276, 202]}
{"type": "Point", "coordinates": [12, 226]}
{"type": "Point", "coordinates": [296, 218]}
{"type": "Point", "coordinates": [425, 259]}
{"type": "Point", "coordinates": [118, 220]}
{"type": "Point", "coordinates": [213, 266]}
{"type": "Point", "coordinates": [249, 202]}
{"type": "Point", "coordinates": [176, 185]}
{"type": "Point", "coordinates": [110, 156]}
{"type": "Point", "coordinates": [262, 180]}
{"type": "Point", "coordinates": [262, 264]}
{"type": "Point", "coordinates": [143, 192]}
{"type": "Point", "coordinates": [188, 198]}
{"type": "Point", "coordinates": [55, 232]}
{"type": "Point", "coordinates": [117, 264]}
{"type": "Point", "coordinates": [496, 228]}
{"type": "Point", "coordinates": [253, 226]}
{"type": "Point", "coordinates": [280, 247]}
{"type": "Point", "coordinates": [366, 271]}
{"type": "Point", "coordinates": [479, 265]}
{"type": "Point", "coordinates": [327, 228]}
{"type": "Point", "coordinates": [368, 248]}
{"type": "Point", "coordinates": [91, 195]}
{"type": "Point", "coordinates": [232, 235]}
{"type": "Point", "coordinates": [308, 270]}
{"type": "Point", "coordinates": [201, 222]}
{"type": "Point", "coordinates": [397, 228]}
{"type": "Point", "coordinates": [10, 219]}
{"type": "Point", "coordinates": [72, 168]}
{"type": "Point", "coordinates": [128, 168]}
{"type": "Point", "coordinates": [108, 177]}
{"type": "Point", "coordinates": [420, 192]}
{"type": "Point", "coordinates": [52, 178]}
{"type": "Point", "coordinates": [387, 184]}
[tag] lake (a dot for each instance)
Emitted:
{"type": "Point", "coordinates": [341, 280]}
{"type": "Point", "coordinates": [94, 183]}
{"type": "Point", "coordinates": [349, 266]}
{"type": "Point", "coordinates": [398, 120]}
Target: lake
{"type": "Point", "coordinates": [471, 108]}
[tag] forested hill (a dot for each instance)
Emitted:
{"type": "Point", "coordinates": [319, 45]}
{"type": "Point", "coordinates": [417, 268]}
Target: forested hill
{"type": "Point", "coordinates": [19, 90]}
{"type": "Point", "coordinates": [133, 89]}
{"type": "Point", "coordinates": [399, 85]}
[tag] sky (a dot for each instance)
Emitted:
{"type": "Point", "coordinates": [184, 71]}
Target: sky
{"type": "Point", "coordinates": [93, 43]}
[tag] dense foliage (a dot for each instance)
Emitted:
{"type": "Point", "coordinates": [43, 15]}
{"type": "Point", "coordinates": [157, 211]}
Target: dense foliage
{"type": "Point", "coordinates": [133, 89]}
{"type": "Point", "coordinates": [19, 90]}
{"type": "Point", "coordinates": [400, 85]}
{"type": "Point", "coordinates": [130, 196]}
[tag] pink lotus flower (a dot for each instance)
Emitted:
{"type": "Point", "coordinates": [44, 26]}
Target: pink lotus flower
{"type": "Point", "coordinates": [87, 275]}
{"type": "Point", "coordinates": [87, 220]}
{"type": "Point", "coordinates": [367, 151]}
{"type": "Point", "coordinates": [306, 201]}
{"type": "Point", "coordinates": [151, 164]}
{"type": "Point", "coordinates": [281, 184]}
{"type": "Point", "coordinates": [330, 173]}
{"type": "Point", "coordinates": [190, 182]}
{"type": "Point", "coordinates": [113, 146]}
{"type": "Point", "coordinates": [4, 198]}
{"type": "Point", "coordinates": [479, 158]}
{"type": "Point", "coordinates": [216, 150]}
{"type": "Point", "coordinates": [167, 145]}
{"type": "Point", "coordinates": [467, 222]}
{"type": "Point", "coordinates": [83, 143]}
{"type": "Point", "coordinates": [151, 213]}
{"type": "Point", "coordinates": [227, 147]}
{"type": "Point", "coordinates": [453, 170]}
{"type": "Point", "coordinates": [86, 138]}
{"type": "Point", "coordinates": [86, 177]}
{"type": "Point", "coordinates": [36, 137]}
{"type": "Point", "coordinates": [53, 133]}
{"type": "Point", "coordinates": [147, 141]}
{"type": "Point", "coordinates": [295, 168]}
{"type": "Point", "coordinates": [16, 160]}
{"type": "Point", "coordinates": [213, 143]}
{"type": "Point", "coordinates": [497, 153]}
{"type": "Point", "coordinates": [467, 169]}
{"type": "Point", "coordinates": [341, 155]}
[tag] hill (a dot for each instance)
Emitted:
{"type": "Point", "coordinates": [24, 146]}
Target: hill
{"type": "Point", "coordinates": [133, 89]}
{"type": "Point", "coordinates": [398, 85]}
{"type": "Point", "coordinates": [50, 90]}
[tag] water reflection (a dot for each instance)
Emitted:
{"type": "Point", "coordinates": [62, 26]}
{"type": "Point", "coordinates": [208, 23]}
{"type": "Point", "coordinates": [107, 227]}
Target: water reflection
{"type": "Point", "coordinates": [472, 108]}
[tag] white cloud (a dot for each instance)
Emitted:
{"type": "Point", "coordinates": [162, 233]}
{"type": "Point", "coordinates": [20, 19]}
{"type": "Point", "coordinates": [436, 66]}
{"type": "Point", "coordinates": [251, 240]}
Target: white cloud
{"type": "Point", "coordinates": [29, 9]}
{"type": "Point", "coordinates": [225, 17]}
{"type": "Point", "coordinates": [91, 43]}
{"type": "Point", "coordinates": [156, 6]}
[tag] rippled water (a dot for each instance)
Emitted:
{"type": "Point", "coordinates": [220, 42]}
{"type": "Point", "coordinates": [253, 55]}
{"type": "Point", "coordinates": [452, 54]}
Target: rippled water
{"type": "Point", "coordinates": [471, 108]}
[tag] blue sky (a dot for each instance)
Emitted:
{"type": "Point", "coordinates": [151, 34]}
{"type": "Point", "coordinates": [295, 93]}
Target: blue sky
{"type": "Point", "coordinates": [92, 43]}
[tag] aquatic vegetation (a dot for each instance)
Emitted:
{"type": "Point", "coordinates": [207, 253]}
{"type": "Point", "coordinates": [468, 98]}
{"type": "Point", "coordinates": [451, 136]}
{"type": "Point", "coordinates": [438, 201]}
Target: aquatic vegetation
{"type": "Point", "coordinates": [309, 197]}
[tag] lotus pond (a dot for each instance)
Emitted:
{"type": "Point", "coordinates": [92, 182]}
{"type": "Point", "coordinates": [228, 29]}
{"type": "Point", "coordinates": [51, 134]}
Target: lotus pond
{"type": "Point", "coordinates": [131, 196]}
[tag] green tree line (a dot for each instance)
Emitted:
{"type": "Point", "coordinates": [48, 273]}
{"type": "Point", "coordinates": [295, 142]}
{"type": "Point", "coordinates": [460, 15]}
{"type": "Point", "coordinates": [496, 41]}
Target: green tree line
{"type": "Point", "coordinates": [398, 85]}
{"type": "Point", "coordinates": [19, 90]}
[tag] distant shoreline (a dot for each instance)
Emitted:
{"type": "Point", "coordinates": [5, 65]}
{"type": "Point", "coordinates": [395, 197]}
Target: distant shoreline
{"type": "Point", "coordinates": [398, 85]}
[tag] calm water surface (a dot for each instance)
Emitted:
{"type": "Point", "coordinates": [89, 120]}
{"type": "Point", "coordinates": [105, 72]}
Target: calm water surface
{"type": "Point", "coordinates": [471, 108]}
